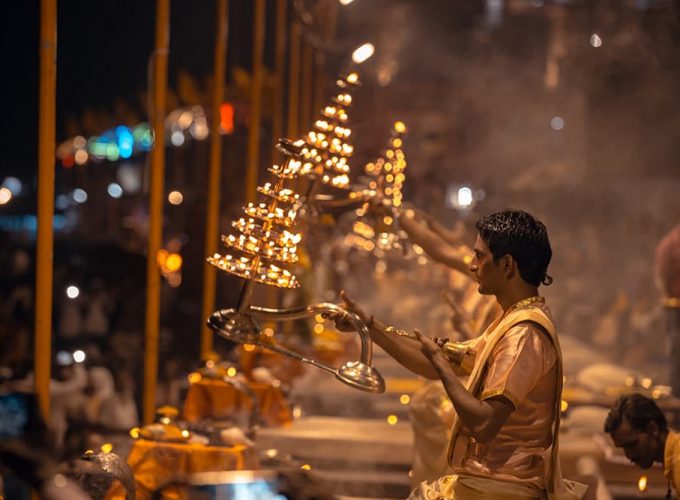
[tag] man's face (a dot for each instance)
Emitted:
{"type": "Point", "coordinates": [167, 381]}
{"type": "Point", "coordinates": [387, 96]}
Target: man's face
{"type": "Point", "coordinates": [640, 447]}
{"type": "Point", "coordinates": [487, 271]}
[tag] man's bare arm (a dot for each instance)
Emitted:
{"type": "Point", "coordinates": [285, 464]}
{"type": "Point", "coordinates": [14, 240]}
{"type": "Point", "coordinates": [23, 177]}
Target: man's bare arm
{"type": "Point", "coordinates": [483, 419]}
{"type": "Point", "coordinates": [438, 248]}
{"type": "Point", "coordinates": [404, 350]}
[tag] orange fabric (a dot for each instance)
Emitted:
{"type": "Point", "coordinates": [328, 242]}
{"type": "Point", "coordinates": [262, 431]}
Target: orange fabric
{"type": "Point", "coordinates": [282, 367]}
{"type": "Point", "coordinates": [156, 464]}
{"type": "Point", "coordinates": [210, 398]}
{"type": "Point", "coordinates": [671, 460]}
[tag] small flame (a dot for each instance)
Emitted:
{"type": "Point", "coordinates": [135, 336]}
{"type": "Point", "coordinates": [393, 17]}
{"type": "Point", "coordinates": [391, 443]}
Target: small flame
{"type": "Point", "coordinates": [642, 483]}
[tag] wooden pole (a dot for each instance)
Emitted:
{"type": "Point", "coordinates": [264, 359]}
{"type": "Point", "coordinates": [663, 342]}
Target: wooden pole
{"type": "Point", "coordinates": [307, 87]}
{"type": "Point", "coordinates": [45, 236]}
{"type": "Point", "coordinates": [156, 187]}
{"type": "Point", "coordinates": [214, 174]}
{"type": "Point", "coordinates": [279, 100]}
{"type": "Point", "coordinates": [279, 70]}
{"type": "Point", "coordinates": [255, 101]}
{"type": "Point", "coordinates": [292, 127]}
{"type": "Point", "coordinates": [330, 20]}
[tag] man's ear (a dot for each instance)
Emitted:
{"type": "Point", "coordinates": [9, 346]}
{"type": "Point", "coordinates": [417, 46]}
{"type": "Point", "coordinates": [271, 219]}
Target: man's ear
{"type": "Point", "coordinates": [509, 265]}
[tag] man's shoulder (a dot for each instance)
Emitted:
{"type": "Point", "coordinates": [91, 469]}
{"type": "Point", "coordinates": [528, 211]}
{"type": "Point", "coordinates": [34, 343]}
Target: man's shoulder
{"type": "Point", "coordinates": [530, 333]}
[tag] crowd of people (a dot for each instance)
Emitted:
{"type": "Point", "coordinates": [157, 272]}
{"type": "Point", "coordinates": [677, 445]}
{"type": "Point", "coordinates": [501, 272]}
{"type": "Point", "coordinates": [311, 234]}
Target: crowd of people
{"type": "Point", "coordinates": [96, 352]}
{"type": "Point", "coordinates": [499, 435]}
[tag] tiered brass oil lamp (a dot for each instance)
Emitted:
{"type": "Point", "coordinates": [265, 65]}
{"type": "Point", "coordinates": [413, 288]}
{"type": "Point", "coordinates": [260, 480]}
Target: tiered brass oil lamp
{"type": "Point", "coordinates": [261, 250]}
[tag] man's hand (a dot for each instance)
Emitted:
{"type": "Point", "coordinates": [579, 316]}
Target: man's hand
{"type": "Point", "coordinates": [430, 348]}
{"type": "Point", "coordinates": [342, 322]}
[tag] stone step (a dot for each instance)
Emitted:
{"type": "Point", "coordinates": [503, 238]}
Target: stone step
{"type": "Point", "coordinates": [365, 458]}
{"type": "Point", "coordinates": [368, 484]}
{"type": "Point", "coordinates": [354, 441]}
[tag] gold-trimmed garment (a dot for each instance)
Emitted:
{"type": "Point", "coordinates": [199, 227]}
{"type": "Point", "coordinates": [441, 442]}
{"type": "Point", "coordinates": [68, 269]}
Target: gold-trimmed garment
{"type": "Point", "coordinates": [671, 459]}
{"type": "Point", "coordinates": [465, 487]}
{"type": "Point", "coordinates": [521, 368]}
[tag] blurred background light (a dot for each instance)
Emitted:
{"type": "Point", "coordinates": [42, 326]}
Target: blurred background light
{"type": "Point", "coordinates": [595, 40]}
{"type": "Point", "coordinates": [125, 140]}
{"type": "Point", "coordinates": [64, 358]}
{"type": "Point", "coordinates": [5, 195]}
{"type": "Point", "coordinates": [130, 178]}
{"type": "Point", "coordinates": [226, 118]}
{"type": "Point", "coordinates": [143, 136]}
{"type": "Point", "coordinates": [62, 202]}
{"type": "Point", "coordinates": [464, 197]}
{"type": "Point", "coordinates": [199, 129]}
{"type": "Point", "coordinates": [112, 152]}
{"type": "Point", "coordinates": [177, 138]}
{"type": "Point", "coordinates": [114, 190]}
{"type": "Point", "coordinates": [79, 195]}
{"type": "Point", "coordinates": [79, 142]}
{"type": "Point", "coordinates": [81, 157]}
{"type": "Point", "coordinates": [363, 53]}
{"type": "Point", "coordinates": [175, 198]}
{"type": "Point", "coordinates": [184, 120]}
{"type": "Point", "coordinates": [557, 123]}
{"type": "Point", "coordinates": [13, 184]}
{"type": "Point", "coordinates": [173, 262]}
{"type": "Point", "coordinates": [72, 291]}
{"type": "Point", "coordinates": [78, 356]}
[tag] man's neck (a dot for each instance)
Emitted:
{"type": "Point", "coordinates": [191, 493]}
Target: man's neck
{"type": "Point", "coordinates": [513, 295]}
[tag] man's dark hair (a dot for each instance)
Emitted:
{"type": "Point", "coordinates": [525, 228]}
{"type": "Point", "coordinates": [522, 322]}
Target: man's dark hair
{"type": "Point", "coordinates": [639, 410]}
{"type": "Point", "coordinates": [519, 234]}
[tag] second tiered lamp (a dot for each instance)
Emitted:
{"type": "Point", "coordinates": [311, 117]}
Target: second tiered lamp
{"type": "Point", "coordinates": [261, 250]}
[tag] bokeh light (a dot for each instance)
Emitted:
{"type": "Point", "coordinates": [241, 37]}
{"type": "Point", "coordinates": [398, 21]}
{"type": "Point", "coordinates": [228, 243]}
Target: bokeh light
{"type": "Point", "coordinates": [5, 196]}
{"type": "Point", "coordinates": [557, 123]}
{"type": "Point", "coordinates": [363, 53]}
{"type": "Point", "coordinates": [464, 197]}
{"type": "Point", "coordinates": [13, 184]}
{"type": "Point", "coordinates": [595, 40]}
{"type": "Point", "coordinates": [79, 195]}
{"type": "Point", "coordinates": [114, 190]}
{"type": "Point", "coordinates": [175, 198]}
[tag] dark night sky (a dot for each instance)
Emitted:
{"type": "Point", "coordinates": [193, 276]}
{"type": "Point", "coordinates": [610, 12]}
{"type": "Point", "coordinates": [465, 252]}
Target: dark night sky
{"type": "Point", "coordinates": [103, 51]}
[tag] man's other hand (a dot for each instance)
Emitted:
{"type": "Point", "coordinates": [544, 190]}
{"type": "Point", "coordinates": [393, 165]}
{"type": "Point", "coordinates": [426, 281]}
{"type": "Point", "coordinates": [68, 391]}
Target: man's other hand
{"type": "Point", "coordinates": [341, 320]}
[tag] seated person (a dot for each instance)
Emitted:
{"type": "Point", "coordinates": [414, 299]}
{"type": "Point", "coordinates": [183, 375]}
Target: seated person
{"type": "Point", "coordinates": [637, 425]}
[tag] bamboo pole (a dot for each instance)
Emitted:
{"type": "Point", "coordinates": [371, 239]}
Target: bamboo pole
{"type": "Point", "coordinates": [255, 101]}
{"type": "Point", "coordinates": [214, 174]}
{"type": "Point", "coordinates": [330, 20]}
{"type": "Point", "coordinates": [279, 94]}
{"type": "Point", "coordinates": [156, 187]}
{"type": "Point", "coordinates": [307, 86]}
{"type": "Point", "coordinates": [292, 127]}
{"type": "Point", "coordinates": [279, 70]}
{"type": "Point", "coordinates": [45, 236]}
